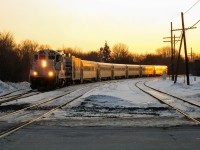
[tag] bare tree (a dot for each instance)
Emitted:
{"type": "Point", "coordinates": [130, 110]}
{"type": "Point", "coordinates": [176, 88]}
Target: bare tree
{"type": "Point", "coordinates": [26, 49]}
{"type": "Point", "coordinates": [165, 52]}
{"type": "Point", "coordinates": [8, 57]}
{"type": "Point", "coordinates": [92, 56]}
{"type": "Point", "coordinates": [43, 46]}
{"type": "Point", "coordinates": [120, 54]}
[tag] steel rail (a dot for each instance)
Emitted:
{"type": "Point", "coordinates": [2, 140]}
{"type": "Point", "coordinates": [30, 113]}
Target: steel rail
{"type": "Point", "coordinates": [14, 97]}
{"type": "Point", "coordinates": [40, 103]}
{"type": "Point", "coordinates": [35, 105]}
{"type": "Point", "coordinates": [19, 126]}
{"type": "Point", "coordinates": [177, 109]}
{"type": "Point", "coordinates": [180, 98]}
{"type": "Point", "coordinates": [29, 95]}
{"type": "Point", "coordinates": [3, 95]}
{"type": "Point", "coordinates": [14, 129]}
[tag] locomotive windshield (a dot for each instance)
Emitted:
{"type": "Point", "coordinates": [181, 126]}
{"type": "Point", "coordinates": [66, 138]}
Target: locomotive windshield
{"type": "Point", "coordinates": [42, 56]}
{"type": "Point", "coordinates": [51, 55]}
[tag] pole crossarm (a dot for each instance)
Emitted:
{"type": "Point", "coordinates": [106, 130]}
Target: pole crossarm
{"type": "Point", "coordinates": [173, 38]}
{"type": "Point", "coordinates": [170, 41]}
{"type": "Point", "coordinates": [184, 29]}
{"type": "Point", "coordinates": [170, 37]}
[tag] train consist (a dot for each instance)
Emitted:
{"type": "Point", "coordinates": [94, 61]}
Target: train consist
{"type": "Point", "coordinates": [52, 68]}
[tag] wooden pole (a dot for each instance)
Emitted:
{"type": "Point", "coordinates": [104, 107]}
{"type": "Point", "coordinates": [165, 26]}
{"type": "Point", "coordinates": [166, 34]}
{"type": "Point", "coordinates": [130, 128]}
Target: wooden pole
{"type": "Point", "coordinates": [185, 48]}
{"type": "Point", "coordinates": [178, 60]}
{"type": "Point", "coordinates": [172, 60]}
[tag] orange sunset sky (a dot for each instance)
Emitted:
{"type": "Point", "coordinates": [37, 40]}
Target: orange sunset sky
{"type": "Point", "coordinates": [86, 24]}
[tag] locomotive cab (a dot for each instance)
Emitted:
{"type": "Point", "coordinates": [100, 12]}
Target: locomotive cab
{"type": "Point", "coordinates": [47, 69]}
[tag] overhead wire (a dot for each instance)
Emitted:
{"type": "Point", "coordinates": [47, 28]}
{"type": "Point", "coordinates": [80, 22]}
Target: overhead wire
{"type": "Point", "coordinates": [195, 24]}
{"type": "Point", "coordinates": [192, 7]}
{"type": "Point", "coordinates": [187, 12]}
{"type": "Point", "coordinates": [192, 25]}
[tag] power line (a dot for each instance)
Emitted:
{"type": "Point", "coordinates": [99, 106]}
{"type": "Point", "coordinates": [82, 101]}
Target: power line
{"type": "Point", "coordinates": [195, 24]}
{"type": "Point", "coordinates": [192, 6]}
{"type": "Point", "coordinates": [192, 27]}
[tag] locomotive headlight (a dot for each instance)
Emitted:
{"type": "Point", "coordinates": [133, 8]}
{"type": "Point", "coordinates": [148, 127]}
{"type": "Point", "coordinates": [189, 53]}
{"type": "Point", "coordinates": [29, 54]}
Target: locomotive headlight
{"type": "Point", "coordinates": [35, 73]}
{"type": "Point", "coordinates": [50, 73]}
{"type": "Point", "coordinates": [44, 63]}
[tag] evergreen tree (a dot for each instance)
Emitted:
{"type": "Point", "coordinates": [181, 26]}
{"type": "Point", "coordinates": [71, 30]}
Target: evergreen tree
{"type": "Point", "coordinates": [106, 53]}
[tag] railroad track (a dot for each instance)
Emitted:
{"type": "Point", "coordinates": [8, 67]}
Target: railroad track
{"type": "Point", "coordinates": [9, 97]}
{"type": "Point", "coordinates": [15, 128]}
{"type": "Point", "coordinates": [4, 95]}
{"type": "Point", "coordinates": [170, 100]}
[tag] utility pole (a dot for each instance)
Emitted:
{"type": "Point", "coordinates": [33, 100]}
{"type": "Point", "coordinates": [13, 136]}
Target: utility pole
{"type": "Point", "coordinates": [172, 58]}
{"type": "Point", "coordinates": [178, 60]}
{"type": "Point", "coordinates": [172, 41]}
{"type": "Point", "coordinates": [191, 61]}
{"type": "Point", "coordinates": [174, 52]}
{"type": "Point", "coordinates": [185, 48]}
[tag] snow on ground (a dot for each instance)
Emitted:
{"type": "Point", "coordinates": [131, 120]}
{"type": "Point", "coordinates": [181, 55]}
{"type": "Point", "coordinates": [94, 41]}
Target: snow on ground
{"type": "Point", "coordinates": [121, 99]}
{"type": "Point", "coordinates": [6, 87]}
{"type": "Point", "coordinates": [181, 89]}
{"type": "Point", "coordinates": [118, 94]}
{"type": "Point", "coordinates": [117, 99]}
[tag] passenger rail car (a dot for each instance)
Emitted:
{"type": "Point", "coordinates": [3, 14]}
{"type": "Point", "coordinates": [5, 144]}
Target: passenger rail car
{"type": "Point", "coordinates": [148, 70]}
{"type": "Point", "coordinates": [160, 69]}
{"type": "Point", "coordinates": [133, 71]}
{"type": "Point", "coordinates": [104, 71]}
{"type": "Point", "coordinates": [119, 71]}
{"type": "Point", "coordinates": [51, 68]}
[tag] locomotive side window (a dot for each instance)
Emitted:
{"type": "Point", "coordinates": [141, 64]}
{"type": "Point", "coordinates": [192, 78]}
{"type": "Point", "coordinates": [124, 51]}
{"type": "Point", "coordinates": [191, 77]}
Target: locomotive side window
{"type": "Point", "coordinates": [35, 57]}
{"type": "Point", "coordinates": [58, 58]}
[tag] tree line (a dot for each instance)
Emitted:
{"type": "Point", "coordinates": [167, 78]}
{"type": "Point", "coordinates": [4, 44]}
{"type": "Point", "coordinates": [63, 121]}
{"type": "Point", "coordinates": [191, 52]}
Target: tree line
{"type": "Point", "coordinates": [15, 58]}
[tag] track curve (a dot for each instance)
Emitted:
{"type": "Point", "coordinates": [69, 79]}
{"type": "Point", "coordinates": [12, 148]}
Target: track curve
{"type": "Point", "coordinates": [196, 120]}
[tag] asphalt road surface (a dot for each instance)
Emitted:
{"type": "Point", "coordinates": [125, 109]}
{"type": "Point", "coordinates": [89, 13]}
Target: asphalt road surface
{"type": "Point", "coordinates": [102, 138]}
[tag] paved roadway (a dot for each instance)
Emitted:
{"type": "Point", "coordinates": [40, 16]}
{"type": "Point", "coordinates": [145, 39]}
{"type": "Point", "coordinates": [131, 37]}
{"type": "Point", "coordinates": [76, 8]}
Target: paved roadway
{"type": "Point", "coordinates": [102, 138]}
